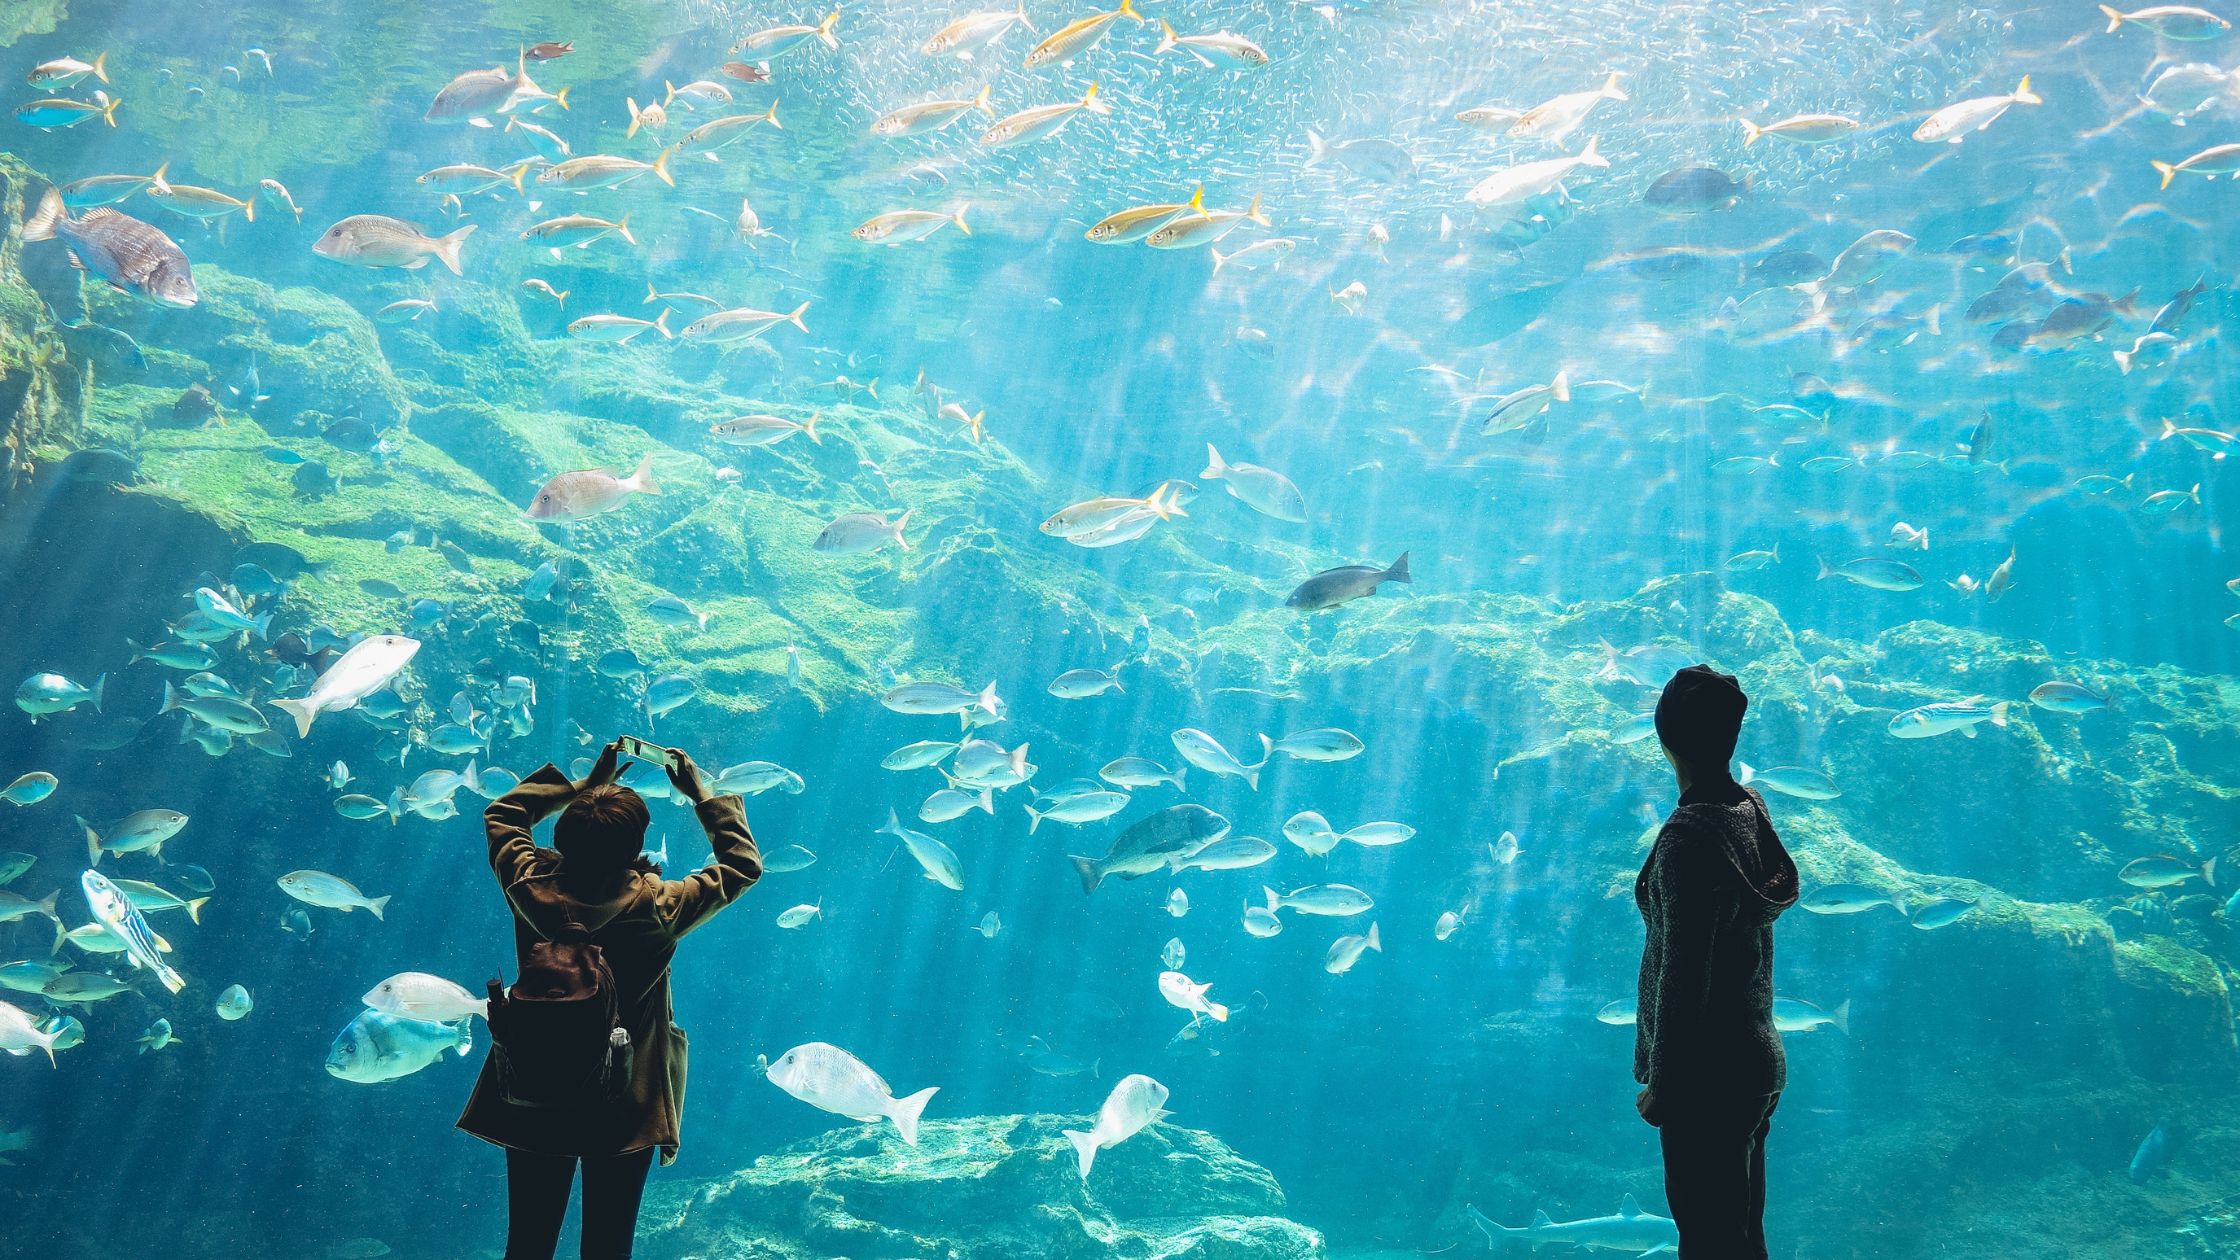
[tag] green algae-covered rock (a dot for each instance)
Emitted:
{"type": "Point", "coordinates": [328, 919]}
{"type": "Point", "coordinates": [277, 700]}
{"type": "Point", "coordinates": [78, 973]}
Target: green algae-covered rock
{"type": "Point", "coordinates": [983, 1188]}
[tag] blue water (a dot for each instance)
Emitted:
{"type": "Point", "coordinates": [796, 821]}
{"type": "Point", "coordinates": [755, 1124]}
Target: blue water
{"type": "Point", "coordinates": [1993, 1078]}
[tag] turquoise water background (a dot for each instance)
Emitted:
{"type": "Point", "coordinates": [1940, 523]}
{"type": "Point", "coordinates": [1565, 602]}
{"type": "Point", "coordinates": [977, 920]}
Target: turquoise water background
{"type": "Point", "coordinates": [1995, 1077]}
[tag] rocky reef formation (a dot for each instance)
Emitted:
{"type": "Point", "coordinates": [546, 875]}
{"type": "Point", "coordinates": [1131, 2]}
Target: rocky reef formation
{"type": "Point", "coordinates": [984, 1188]}
{"type": "Point", "coordinates": [43, 388]}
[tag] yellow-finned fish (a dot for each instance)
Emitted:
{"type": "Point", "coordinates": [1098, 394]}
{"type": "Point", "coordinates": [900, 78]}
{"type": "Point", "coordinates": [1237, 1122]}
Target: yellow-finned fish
{"type": "Point", "coordinates": [1044, 120]}
{"type": "Point", "coordinates": [1128, 226]}
{"type": "Point", "coordinates": [1080, 35]}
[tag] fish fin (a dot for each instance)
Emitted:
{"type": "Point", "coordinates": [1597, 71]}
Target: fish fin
{"type": "Point", "coordinates": [194, 909]}
{"type": "Point", "coordinates": [1034, 820]}
{"type": "Point", "coordinates": [959, 217]}
{"type": "Point", "coordinates": [377, 905]}
{"type": "Point", "coordinates": [980, 102]}
{"type": "Point", "coordinates": [1611, 91]}
{"type": "Point", "coordinates": [93, 841]}
{"type": "Point", "coordinates": [1215, 469]}
{"type": "Point", "coordinates": [1254, 213]}
{"type": "Point", "coordinates": [1750, 132]}
{"type": "Point", "coordinates": [1090, 875]}
{"type": "Point", "coordinates": [1841, 1017]}
{"type": "Point", "coordinates": [809, 427]}
{"type": "Point", "coordinates": [824, 32]}
{"type": "Point", "coordinates": [1592, 154]}
{"type": "Point", "coordinates": [1084, 1147]}
{"type": "Point", "coordinates": [641, 481]}
{"type": "Point", "coordinates": [1373, 942]}
{"type": "Point", "coordinates": [661, 166]}
{"type": "Point", "coordinates": [1399, 571]}
{"type": "Point", "coordinates": [447, 248]}
{"type": "Point", "coordinates": [101, 66]}
{"type": "Point", "coordinates": [771, 116]}
{"type": "Point", "coordinates": [907, 1110]}
{"type": "Point", "coordinates": [660, 322]}
{"type": "Point", "coordinates": [1167, 40]}
{"type": "Point", "coordinates": [2024, 96]}
{"type": "Point", "coordinates": [795, 318]}
{"type": "Point", "coordinates": [902, 542]}
{"type": "Point", "coordinates": [50, 215]}
{"type": "Point", "coordinates": [622, 229]}
{"type": "Point", "coordinates": [1219, 1012]}
{"type": "Point", "coordinates": [301, 711]}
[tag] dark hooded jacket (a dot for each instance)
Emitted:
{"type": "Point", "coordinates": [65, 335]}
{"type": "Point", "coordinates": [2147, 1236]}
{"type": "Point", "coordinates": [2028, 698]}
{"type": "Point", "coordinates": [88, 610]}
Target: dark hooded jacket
{"type": "Point", "coordinates": [636, 918]}
{"type": "Point", "coordinates": [1715, 881]}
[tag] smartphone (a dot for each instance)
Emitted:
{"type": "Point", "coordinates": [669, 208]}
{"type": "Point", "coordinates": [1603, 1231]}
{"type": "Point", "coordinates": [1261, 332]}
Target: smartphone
{"type": "Point", "coordinates": [654, 754]}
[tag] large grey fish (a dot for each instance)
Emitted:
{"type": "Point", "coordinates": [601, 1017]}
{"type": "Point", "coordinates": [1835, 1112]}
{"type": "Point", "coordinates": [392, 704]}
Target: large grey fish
{"type": "Point", "coordinates": [1630, 1230]}
{"type": "Point", "coordinates": [1333, 587]}
{"type": "Point", "coordinates": [1161, 840]}
{"type": "Point", "coordinates": [132, 256]}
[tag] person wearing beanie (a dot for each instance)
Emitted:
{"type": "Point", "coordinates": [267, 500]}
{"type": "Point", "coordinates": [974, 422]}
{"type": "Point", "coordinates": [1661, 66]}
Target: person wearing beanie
{"type": "Point", "coordinates": [1705, 1050]}
{"type": "Point", "coordinates": [593, 892]}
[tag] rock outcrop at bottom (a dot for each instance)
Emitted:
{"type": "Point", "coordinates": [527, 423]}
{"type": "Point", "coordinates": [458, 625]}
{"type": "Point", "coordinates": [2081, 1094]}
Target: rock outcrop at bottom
{"type": "Point", "coordinates": [982, 1188]}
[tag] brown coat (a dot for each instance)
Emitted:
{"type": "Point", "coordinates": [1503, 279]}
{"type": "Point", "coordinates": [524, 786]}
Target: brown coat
{"type": "Point", "coordinates": [636, 919]}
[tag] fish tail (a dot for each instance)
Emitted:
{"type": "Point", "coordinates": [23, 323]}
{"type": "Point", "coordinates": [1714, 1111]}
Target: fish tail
{"type": "Point", "coordinates": [101, 684]}
{"type": "Point", "coordinates": [377, 905]}
{"type": "Point", "coordinates": [93, 841]}
{"type": "Point", "coordinates": [109, 114]}
{"type": "Point", "coordinates": [1167, 40]}
{"type": "Point", "coordinates": [520, 173]}
{"type": "Point", "coordinates": [962, 226]}
{"type": "Point", "coordinates": [809, 427]}
{"type": "Point", "coordinates": [795, 318]}
{"type": "Point", "coordinates": [907, 1110]}
{"type": "Point", "coordinates": [622, 229]}
{"type": "Point", "coordinates": [50, 215]}
{"type": "Point", "coordinates": [1215, 469]}
{"type": "Point", "coordinates": [101, 66]}
{"type": "Point", "coordinates": [824, 32]}
{"type": "Point", "coordinates": [661, 322]}
{"type": "Point", "coordinates": [1592, 154]}
{"type": "Point", "coordinates": [1750, 132]}
{"type": "Point", "coordinates": [771, 116]}
{"type": "Point", "coordinates": [2168, 171]}
{"type": "Point", "coordinates": [1317, 148]}
{"type": "Point", "coordinates": [1084, 1146]}
{"type": "Point", "coordinates": [301, 711]}
{"type": "Point", "coordinates": [1999, 713]}
{"type": "Point", "coordinates": [1090, 102]}
{"type": "Point", "coordinates": [1399, 571]}
{"type": "Point", "coordinates": [1090, 875]}
{"type": "Point", "coordinates": [1219, 1012]}
{"type": "Point", "coordinates": [447, 247]}
{"type": "Point", "coordinates": [2024, 96]}
{"type": "Point", "coordinates": [661, 167]}
{"type": "Point", "coordinates": [560, 97]}
{"type": "Point", "coordinates": [1253, 211]}
{"type": "Point", "coordinates": [980, 102]}
{"type": "Point", "coordinates": [1218, 259]}
{"type": "Point", "coordinates": [1373, 942]}
{"type": "Point", "coordinates": [2115, 19]}
{"type": "Point", "coordinates": [652, 294]}
{"type": "Point", "coordinates": [1127, 9]}
{"type": "Point", "coordinates": [2123, 365]}
{"type": "Point", "coordinates": [1034, 820]}
{"type": "Point", "coordinates": [904, 543]}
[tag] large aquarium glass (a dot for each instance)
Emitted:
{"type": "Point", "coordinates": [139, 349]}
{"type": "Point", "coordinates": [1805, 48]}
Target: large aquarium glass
{"type": "Point", "coordinates": [1174, 519]}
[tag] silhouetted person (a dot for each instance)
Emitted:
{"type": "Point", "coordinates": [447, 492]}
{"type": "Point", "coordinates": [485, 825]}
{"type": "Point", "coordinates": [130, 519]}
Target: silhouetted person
{"type": "Point", "coordinates": [1705, 1048]}
{"type": "Point", "coordinates": [596, 891]}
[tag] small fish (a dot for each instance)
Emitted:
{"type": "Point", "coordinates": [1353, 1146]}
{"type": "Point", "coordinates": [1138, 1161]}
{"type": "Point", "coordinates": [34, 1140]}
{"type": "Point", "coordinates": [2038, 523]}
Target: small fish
{"type": "Point", "coordinates": [1029, 125]}
{"type": "Point", "coordinates": [1942, 718]}
{"type": "Point", "coordinates": [1954, 123]}
{"type": "Point", "coordinates": [1080, 35]}
{"type": "Point", "coordinates": [897, 227]}
{"type": "Point", "coordinates": [65, 71]}
{"type": "Point", "coordinates": [575, 496]}
{"type": "Point", "coordinates": [856, 533]}
{"type": "Point", "coordinates": [331, 892]}
{"type": "Point", "coordinates": [1875, 573]}
{"type": "Point", "coordinates": [1333, 587]}
{"type": "Point", "coordinates": [130, 255]}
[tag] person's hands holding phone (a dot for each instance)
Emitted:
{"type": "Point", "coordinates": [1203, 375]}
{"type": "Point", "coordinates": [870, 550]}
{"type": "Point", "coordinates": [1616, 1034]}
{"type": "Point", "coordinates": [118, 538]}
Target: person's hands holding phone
{"type": "Point", "coordinates": [685, 776]}
{"type": "Point", "coordinates": [607, 769]}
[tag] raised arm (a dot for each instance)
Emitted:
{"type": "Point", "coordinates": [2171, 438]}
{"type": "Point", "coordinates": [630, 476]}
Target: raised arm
{"type": "Point", "coordinates": [686, 903]}
{"type": "Point", "coordinates": [509, 819]}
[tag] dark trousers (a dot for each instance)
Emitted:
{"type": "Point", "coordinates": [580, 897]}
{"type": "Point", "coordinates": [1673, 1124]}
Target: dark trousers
{"type": "Point", "coordinates": [537, 1189]}
{"type": "Point", "coordinates": [1715, 1175]}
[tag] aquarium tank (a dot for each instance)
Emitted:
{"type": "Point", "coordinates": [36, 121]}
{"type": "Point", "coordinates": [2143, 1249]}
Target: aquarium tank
{"type": "Point", "coordinates": [1174, 518]}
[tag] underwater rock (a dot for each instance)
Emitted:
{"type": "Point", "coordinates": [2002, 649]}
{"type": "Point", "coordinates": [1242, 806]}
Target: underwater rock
{"type": "Point", "coordinates": [43, 391]}
{"type": "Point", "coordinates": [982, 1188]}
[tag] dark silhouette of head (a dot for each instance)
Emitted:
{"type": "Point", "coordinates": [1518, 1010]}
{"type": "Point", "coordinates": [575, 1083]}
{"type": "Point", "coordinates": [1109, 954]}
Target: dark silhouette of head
{"type": "Point", "coordinates": [601, 831]}
{"type": "Point", "coordinates": [1699, 718]}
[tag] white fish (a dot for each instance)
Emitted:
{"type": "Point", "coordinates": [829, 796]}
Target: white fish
{"type": "Point", "coordinates": [897, 227]}
{"type": "Point", "coordinates": [114, 911]}
{"type": "Point", "coordinates": [419, 995]}
{"type": "Point", "coordinates": [1347, 950]}
{"type": "Point", "coordinates": [938, 859]}
{"type": "Point", "coordinates": [329, 892]}
{"type": "Point", "coordinates": [830, 1079]}
{"type": "Point", "coordinates": [1136, 1102]}
{"type": "Point", "coordinates": [1264, 490]}
{"type": "Point", "coordinates": [973, 32]}
{"type": "Point", "coordinates": [1953, 123]}
{"type": "Point", "coordinates": [575, 496]}
{"type": "Point", "coordinates": [1558, 116]}
{"type": "Point", "coordinates": [1206, 753]}
{"type": "Point", "coordinates": [1509, 188]}
{"type": "Point", "coordinates": [1029, 125]}
{"type": "Point", "coordinates": [366, 668]}
{"type": "Point", "coordinates": [20, 1034]}
{"type": "Point", "coordinates": [925, 116]}
{"type": "Point", "coordinates": [855, 533]}
{"type": "Point", "coordinates": [1185, 994]}
{"type": "Point", "coordinates": [796, 916]}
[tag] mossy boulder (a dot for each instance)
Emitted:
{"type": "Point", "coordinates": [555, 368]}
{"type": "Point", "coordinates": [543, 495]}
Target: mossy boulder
{"type": "Point", "coordinates": [983, 1188]}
